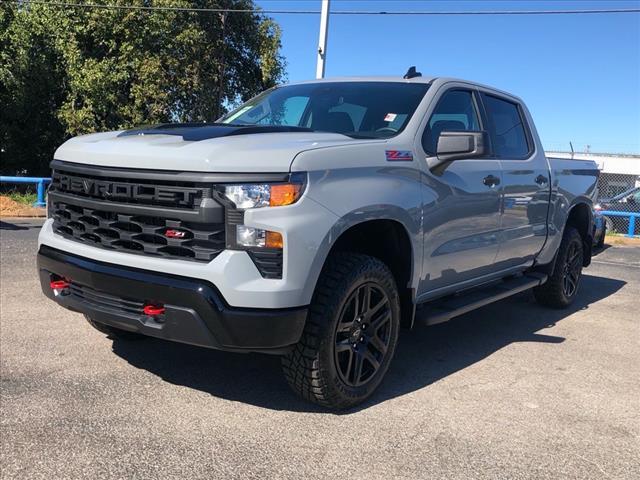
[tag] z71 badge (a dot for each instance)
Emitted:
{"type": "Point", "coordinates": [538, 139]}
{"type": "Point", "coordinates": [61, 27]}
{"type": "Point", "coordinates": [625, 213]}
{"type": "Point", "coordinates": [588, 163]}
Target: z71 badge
{"type": "Point", "coordinates": [399, 155]}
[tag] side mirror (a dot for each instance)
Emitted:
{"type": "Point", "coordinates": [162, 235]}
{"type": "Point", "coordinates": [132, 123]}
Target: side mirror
{"type": "Point", "coordinates": [458, 146]}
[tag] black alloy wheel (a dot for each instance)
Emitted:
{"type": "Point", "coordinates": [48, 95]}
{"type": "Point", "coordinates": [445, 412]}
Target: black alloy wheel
{"type": "Point", "coordinates": [572, 270]}
{"type": "Point", "coordinates": [363, 334]}
{"type": "Point", "coordinates": [350, 335]}
{"type": "Point", "coordinates": [561, 288]}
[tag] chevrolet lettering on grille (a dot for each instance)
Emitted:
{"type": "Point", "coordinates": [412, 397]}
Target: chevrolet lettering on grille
{"type": "Point", "coordinates": [125, 191]}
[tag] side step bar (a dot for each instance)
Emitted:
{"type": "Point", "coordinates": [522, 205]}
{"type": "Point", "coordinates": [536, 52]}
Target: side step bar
{"type": "Point", "coordinates": [439, 311]}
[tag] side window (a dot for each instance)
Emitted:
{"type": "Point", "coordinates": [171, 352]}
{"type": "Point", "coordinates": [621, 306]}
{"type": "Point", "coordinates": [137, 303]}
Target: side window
{"type": "Point", "coordinates": [455, 112]}
{"type": "Point", "coordinates": [293, 109]}
{"type": "Point", "coordinates": [506, 128]}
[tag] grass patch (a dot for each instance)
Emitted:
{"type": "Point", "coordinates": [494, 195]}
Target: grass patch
{"type": "Point", "coordinates": [23, 198]}
{"type": "Point", "coordinates": [620, 239]}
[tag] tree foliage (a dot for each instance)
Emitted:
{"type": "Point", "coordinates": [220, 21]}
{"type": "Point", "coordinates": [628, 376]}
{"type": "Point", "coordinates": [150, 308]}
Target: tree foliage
{"type": "Point", "coordinates": [65, 72]}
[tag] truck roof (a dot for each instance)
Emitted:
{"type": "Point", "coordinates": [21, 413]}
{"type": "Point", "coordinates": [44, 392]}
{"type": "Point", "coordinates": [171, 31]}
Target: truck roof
{"type": "Point", "coordinates": [399, 79]}
{"type": "Point", "coordinates": [378, 78]}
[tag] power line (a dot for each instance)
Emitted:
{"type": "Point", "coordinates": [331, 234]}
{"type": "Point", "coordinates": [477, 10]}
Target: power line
{"type": "Point", "coordinates": [336, 12]}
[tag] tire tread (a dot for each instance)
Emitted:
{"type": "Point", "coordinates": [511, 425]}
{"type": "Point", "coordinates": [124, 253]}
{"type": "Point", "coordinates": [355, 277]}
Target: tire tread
{"type": "Point", "coordinates": [302, 367]}
{"type": "Point", "coordinates": [551, 292]}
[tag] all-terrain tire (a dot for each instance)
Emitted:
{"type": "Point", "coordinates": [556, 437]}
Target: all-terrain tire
{"type": "Point", "coordinates": [322, 367]}
{"type": "Point", "coordinates": [600, 243]}
{"type": "Point", "coordinates": [561, 288]}
{"type": "Point", "coordinates": [113, 332]}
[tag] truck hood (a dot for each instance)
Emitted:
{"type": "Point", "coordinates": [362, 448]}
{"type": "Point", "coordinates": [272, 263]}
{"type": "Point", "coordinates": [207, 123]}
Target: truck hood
{"type": "Point", "coordinates": [248, 150]}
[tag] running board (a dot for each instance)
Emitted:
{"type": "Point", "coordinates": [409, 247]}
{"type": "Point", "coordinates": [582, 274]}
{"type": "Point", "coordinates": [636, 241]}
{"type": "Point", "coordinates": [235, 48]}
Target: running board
{"type": "Point", "coordinates": [439, 311]}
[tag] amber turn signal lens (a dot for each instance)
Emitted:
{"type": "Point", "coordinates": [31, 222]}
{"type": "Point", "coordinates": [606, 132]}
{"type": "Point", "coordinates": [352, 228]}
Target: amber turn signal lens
{"type": "Point", "coordinates": [284, 194]}
{"type": "Point", "coordinates": [273, 240]}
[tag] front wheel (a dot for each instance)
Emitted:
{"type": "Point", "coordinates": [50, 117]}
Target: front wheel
{"type": "Point", "coordinates": [562, 286]}
{"type": "Point", "coordinates": [350, 335]}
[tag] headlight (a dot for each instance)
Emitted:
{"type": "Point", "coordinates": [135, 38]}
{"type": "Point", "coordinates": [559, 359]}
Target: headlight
{"type": "Point", "coordinates": [266, 194]}
{"type": "Point", "coordinates": [248, 196]}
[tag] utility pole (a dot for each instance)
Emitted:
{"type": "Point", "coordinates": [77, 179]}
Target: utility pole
{"type": "Point", "coordinates": [322, 42]}
{"type": "Point", "coordinates": [222, 66]}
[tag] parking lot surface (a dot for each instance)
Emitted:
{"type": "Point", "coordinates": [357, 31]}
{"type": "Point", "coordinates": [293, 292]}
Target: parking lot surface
{"type": "Point", "coordinates": [513, 390]}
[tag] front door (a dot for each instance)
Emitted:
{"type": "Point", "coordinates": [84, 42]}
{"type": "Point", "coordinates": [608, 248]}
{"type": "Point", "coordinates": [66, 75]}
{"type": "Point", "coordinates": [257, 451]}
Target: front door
{"type": "Point", "coordinates": [461, 204]}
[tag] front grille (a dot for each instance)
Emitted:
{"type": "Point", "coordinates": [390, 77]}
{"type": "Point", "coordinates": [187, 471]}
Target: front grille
{"type": "Point", "coordinates": [179, 220]}
{"type": "Point", "coordinates": [138, 234]}
{"type": "Point", "coordinates": [117, 188]}
{"type": "Point", "coordinates": [104, 301]}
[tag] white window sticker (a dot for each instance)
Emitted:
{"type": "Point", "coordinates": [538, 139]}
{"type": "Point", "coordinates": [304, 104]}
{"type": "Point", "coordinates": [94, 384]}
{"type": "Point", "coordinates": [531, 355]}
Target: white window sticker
{"type": "Point", "coordinates": [390, 117]}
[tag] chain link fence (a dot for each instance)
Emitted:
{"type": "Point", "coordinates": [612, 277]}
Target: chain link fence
{"type": "Point", "coordinates": [619, 193]}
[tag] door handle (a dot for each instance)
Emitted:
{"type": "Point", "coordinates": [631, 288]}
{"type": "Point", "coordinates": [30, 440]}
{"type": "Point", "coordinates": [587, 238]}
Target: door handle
{"type": "Point", "coordinates": [541, 180]}
{"type": "Point", "coordinates": [491, 181]}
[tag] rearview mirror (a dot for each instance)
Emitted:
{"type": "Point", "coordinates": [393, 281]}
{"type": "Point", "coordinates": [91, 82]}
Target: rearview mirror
{"type": "Point", "coordinates": [458, 146]}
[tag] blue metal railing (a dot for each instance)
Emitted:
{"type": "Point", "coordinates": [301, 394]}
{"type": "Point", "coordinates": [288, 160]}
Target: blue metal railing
{"type": "Point", "coordinates": [632, 219]}
{"type": "Point", "coordinates": [39, 181]}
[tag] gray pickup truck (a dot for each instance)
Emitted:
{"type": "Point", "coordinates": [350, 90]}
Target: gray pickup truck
{"type": "Point", "coordinates": [314, 222]}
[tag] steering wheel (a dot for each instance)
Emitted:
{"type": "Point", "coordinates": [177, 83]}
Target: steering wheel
{"type": "Point", "coordinates": [387, 129]}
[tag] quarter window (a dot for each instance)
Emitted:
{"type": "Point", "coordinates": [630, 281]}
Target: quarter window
{"type": "Point", "coordinates": [455, 112]}
{"type": "Point", "coordinates": [506, 128]}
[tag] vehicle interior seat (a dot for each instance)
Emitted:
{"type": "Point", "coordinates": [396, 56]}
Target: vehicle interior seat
{"type": "Point", "coordinates": [339, 122]}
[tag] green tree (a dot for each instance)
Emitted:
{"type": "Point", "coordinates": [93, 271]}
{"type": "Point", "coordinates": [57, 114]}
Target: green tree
{"type": "Point", "coordinates": [32, 89]}
{"type": "Point", "coordinates": [66, 72]}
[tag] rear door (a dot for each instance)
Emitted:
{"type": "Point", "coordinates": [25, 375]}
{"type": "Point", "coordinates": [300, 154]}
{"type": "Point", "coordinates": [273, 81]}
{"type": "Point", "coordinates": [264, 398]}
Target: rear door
{"type": "Point", "coordinates": [525, 184]}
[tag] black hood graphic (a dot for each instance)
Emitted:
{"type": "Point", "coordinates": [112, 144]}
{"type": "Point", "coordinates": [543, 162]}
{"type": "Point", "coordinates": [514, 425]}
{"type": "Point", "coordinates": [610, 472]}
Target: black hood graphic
{"type": "Point", "coordinates": [194, 132]}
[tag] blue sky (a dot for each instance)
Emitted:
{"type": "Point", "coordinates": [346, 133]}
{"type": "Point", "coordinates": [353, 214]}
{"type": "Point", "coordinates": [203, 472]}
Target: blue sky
{"type": "Point", "coordinates": [578, 74]}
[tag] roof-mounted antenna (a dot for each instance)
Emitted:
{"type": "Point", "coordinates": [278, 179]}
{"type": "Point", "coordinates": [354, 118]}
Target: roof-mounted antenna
{"type": "Point", "coordinates": [411, 73]}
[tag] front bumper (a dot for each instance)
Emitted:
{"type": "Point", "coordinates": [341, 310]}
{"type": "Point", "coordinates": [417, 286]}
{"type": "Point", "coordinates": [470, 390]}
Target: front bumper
{"type": "Point", "coordinates": [195, 312]}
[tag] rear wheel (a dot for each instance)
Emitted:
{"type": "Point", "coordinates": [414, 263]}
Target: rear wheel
{"type": "Point", "coordinates": [600, 243]}
{"type": "Point", "coordinates": [350, 335]}
{"type": "Point", "coordinates": [113, 332]}
{"type": "Point", "coordinates": [562, 286]}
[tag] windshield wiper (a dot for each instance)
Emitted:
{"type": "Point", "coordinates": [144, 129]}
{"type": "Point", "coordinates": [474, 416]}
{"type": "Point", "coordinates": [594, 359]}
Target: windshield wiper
{"type": "Point", "coordinates": [360, 136]}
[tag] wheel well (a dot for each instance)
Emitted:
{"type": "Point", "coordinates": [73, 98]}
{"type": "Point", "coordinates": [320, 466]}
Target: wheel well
{"type": "Point", "coordinates": [580, 219]}
{"type": "Point", "coordinates": [388, 241]}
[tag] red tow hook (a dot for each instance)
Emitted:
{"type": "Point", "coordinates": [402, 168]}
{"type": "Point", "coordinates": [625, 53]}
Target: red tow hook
{"type": "Point", "coordinates": [60, 287]}
{"type": "Point", "coordinates": [59, 284]}
{"type": "Point", "coordinates": [153, 310]}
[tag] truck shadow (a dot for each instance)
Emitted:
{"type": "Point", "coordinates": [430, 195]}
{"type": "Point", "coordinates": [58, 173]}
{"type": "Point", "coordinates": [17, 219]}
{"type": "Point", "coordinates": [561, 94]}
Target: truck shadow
{"type": "Point", "coordinates": [21, 223]}
{"type": "Point", "coordinates": [424, 355]}
{"type": "Point", "coordinates": [11, 226]}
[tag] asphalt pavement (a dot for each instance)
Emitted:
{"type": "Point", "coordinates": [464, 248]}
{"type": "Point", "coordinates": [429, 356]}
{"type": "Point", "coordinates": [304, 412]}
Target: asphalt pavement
{"type": "Point", "coordinates": [513, 390]}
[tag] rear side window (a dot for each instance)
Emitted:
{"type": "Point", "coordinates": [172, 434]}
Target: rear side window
{"type": "Point", "coordinates": [506, 128]}
{"type": "Point", "coordinates": [455, 112]}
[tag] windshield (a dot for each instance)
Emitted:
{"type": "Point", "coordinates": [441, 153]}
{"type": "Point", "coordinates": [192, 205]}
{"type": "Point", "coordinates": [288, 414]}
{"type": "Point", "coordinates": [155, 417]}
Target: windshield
{"type": "Point", "coordinates": [356, 109]}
